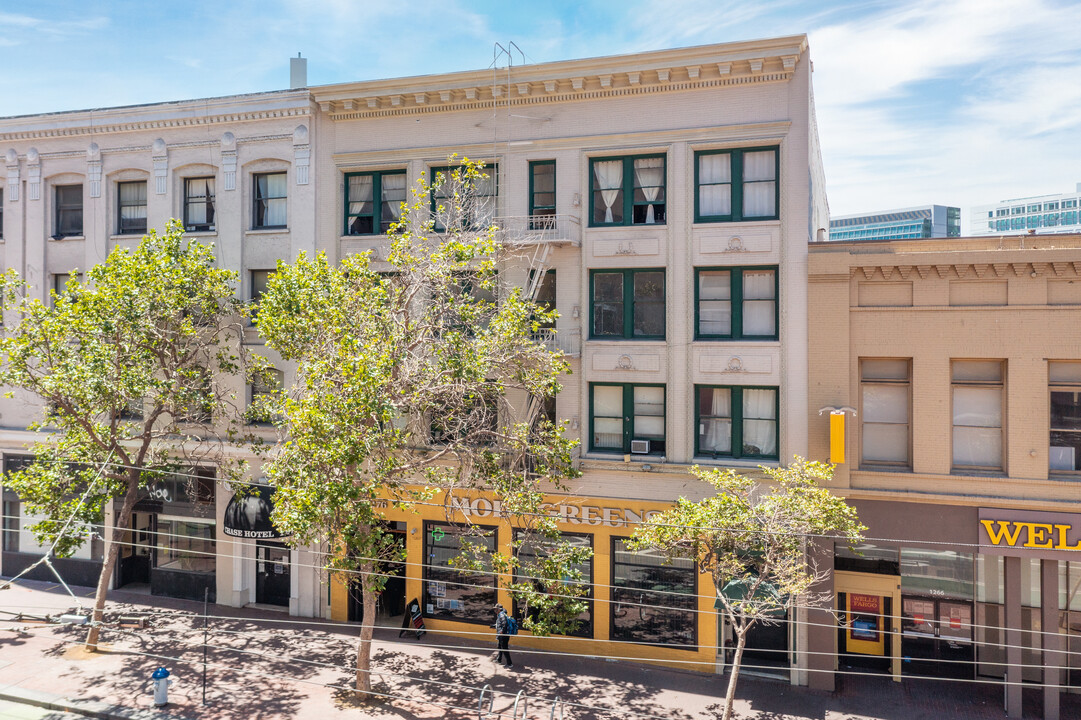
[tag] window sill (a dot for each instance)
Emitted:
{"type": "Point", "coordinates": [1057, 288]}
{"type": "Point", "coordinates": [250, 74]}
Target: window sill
{"type": "Point", "coordinates": [755, 340]}
{"type": "Point", "coordinates": [267, 230]}
{"type": "Point", "coordinates": [606, 339]}
{"type": "Point", "coordinates": [639, 226]}
{"type": "Point", "coordinates": [201, 233]}
{"type": "Point", "coordinates": [708, 223]}
{"type": "Point", "coordinates": [126, 236]}
{"type": "Point", "coordinates": [64, 238]}
{"type": "Point", "coordinates": [1061, 476]}
{"type": "Point", "coordinates": [736, 462]}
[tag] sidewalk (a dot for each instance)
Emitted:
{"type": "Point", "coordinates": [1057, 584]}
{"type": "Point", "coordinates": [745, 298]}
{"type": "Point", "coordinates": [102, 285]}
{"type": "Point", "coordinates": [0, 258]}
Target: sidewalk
{"type": "Point", "coordinates": [263, 669]}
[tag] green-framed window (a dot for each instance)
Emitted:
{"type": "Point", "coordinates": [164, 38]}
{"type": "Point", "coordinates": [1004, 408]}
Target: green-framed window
{"type": "Point", "coordinates": [626, 418]}
{"type": "Point", "coordinates": [373, 201]}
{"type": "Point", "coordinates": [736, 185]}
{"type": "Point", "coordinates": [542, 194]}
{"type": "Point", "coordinates": [736, 421]}
{"type": "Point", "coordinates": [481, 209]}
{"type": "Point", "coordinates": [736, 303]}
{"type": "Point", "coordinates": [627, 304]}
{"type": "Point", "coordinates": [628, 190]}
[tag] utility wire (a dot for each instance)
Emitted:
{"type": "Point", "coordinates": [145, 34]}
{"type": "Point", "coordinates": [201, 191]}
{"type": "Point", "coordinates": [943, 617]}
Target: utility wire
{"type": "Point", "coordinates": [587, 598]}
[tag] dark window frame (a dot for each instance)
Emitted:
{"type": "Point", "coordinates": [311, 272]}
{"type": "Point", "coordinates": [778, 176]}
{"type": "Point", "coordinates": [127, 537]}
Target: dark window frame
{"type": "Point", "coordinates": [489, 169]}
{"type": "Point", "coordinates": [69, 207]}
{"type": "Point", "coordinates": [545, 218]}
{"type": "Point", "coordinates": [627, 190]}
{"type": "Point", "coordinates": [692, 646]}
{"type": "Point", "coordinates": [736, 401]}
{"type": "Point", "coordinates": [735, 280]}
{"type": "Point", "coordinates": [1053, 387]}
{"type": "Point", "coordinates": [586, 629]}
{"type": "Point", "coordinates": [259, 202]}
{"type": "Point", "coordinates": [135, 229]}
{"type": "Point", "coordinates": [628, 304]}
{"type": "Point", "coordinates": [427, 574]}
{"type": "Point", "coordinates": [208, 200]}
{"type": "Point", "coordinates": [376, 214]}
{"type": "Point", "coordinates": [737, 182]}
{"type": "Point", "coordinates": [628, 425]}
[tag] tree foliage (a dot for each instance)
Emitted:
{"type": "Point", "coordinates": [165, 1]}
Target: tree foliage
{"type": "Point", "coordinates": [412, 381]}
{"type": "Point", "coordinates": [756, 540]}
{"type": "Point", "coordinates": [133, 368]}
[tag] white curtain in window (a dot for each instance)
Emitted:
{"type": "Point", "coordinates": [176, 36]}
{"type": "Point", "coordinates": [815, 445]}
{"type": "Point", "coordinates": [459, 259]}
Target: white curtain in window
{"type": "Point", "coordinates": [394, 194]}
{"type": "Point", "coordinates": [649, 412]}
{"type": "Point", "coordinates": [276, 188]}
{"type": "Point", "coordinates": [609, 175]}
{"type": "Point", "coordinates": [718, 429]}
{"type": "Point", "coordinates": [759, 184]}
{"type": "Point", "coordinates": [760, 420]}
{"type": "Point", "coordinates": [715, 184]}
{"type": "Point", "coordinates": [885, 423]}
{"type": "Point", "coordinates": [360, 195]}
{"type": "Point", "coordinates": [607, 416]}
{"type": "Point", "coordinates": [977, 426]}
{"type": "Point", "coordinates": [200, 198]}
{"type": "Point", "coordinates": [715, 302]}
{"type": "Point", "coordinates": [649, 176]}
{"type": "Point", "coordinates": [759, 303]}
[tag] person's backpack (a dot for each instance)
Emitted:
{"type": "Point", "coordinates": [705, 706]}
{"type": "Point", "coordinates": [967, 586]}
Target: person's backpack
{"type": "Point", "coordinates": [512, 626]}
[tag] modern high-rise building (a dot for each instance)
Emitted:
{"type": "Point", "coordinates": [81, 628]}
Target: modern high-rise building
{"type": "Point", "coordinates": [1040, 215]}
{"type": "Point", "coordinates": [928, 221]}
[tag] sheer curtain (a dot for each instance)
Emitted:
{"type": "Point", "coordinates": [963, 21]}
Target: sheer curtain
{"type": "Point", "coordinates": [609, 177]}
{"type": "Point", "coordinates": [277, 203]}
{"type": "Point", "coordinates": [608, 416]}
{"type": "Point", "coordinates": [977, 426]}
{"type": "Point", "coordinates": [718, 429]}
{"type": "Point", "coordinates": [715, 184]}
{"type": "Point", "coordinates": [649, 412]}
{"type": "Point", "coordinates": [649, 176]}
{"type": "Point", "coordinates": [393, 196]}
{"type": "Point", "coordinates": [759, 184]}
{"type": "Point", "coordinates": [360, 195]}
{"type": "Point", "coordinates": [759, 303]}
{"type": "Point", "coordinates": [759, 421]}
{"type": "Point", "coordinates": [714, 302]}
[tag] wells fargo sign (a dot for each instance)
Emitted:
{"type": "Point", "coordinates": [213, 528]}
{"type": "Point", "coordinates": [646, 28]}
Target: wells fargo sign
{"type": "Point", "coordinates": [1021, 532]}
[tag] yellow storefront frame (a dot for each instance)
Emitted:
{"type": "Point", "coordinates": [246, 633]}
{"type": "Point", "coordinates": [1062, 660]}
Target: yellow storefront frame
{"type": "Point", "coordinates": [603, 518]}
{"type": "Point", "coordinates": [883, 586]}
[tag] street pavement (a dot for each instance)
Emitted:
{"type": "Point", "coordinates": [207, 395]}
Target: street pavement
{"type": "Point", "coordinates": [259, 668]}
{"type": "Point", "coordinates": [20, 711]}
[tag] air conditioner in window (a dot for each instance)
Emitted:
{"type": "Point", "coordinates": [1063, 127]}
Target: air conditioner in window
{"type": "Point", "coordinates": [640, 447]}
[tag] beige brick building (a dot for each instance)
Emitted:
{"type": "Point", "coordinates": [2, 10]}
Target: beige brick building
{"type": "Point", "coordinates": [667, 199]}
{"type": "Point", "coordinates": [959, 363]}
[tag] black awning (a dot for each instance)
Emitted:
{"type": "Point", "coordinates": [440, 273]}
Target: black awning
{"type": "Point", "coordinates": [248, 516]}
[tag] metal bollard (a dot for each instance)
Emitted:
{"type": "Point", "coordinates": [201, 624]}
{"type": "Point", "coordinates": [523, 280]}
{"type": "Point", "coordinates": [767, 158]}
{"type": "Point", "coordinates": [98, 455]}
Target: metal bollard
{"type": "Point", "coordinates": [161, 682]}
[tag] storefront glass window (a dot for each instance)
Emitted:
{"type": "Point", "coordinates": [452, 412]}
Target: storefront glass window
{"type": "Point", "coordinates": [185, 545]}
{"type": "Point", "coordinates": [653, 600]}
{"type": "Point", "coordinates": [866, 557]}
{"type": "Point", "coordinates": [530, 550]}
{"type": "Point", "coordinates": [454, 594]}
{"type": "Point", "coordinates": [937, 573]}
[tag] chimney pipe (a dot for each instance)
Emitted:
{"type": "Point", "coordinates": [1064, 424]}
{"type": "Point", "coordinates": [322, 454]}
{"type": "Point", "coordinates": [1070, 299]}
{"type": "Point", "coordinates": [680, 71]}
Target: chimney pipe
{"type": "Point", "coordinates": [298, 72]}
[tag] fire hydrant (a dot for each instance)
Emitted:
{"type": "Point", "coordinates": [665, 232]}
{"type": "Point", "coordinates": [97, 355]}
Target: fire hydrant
{"type": "Point", "coordinates": [161, 681]}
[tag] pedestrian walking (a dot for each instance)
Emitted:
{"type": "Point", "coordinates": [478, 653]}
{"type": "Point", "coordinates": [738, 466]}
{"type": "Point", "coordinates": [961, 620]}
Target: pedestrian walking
{"type": "Point", "coordinates": [502, 635]}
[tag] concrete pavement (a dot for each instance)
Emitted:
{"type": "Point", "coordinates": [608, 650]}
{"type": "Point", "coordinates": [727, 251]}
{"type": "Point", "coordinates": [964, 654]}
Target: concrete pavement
{"type": "Point", "coordinates": [261, 668]}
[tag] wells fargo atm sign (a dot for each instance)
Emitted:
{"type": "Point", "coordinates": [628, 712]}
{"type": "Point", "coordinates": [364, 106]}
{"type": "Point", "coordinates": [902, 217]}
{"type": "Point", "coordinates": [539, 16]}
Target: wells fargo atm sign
{"type": "Point", "coordinates": [1024, 532]}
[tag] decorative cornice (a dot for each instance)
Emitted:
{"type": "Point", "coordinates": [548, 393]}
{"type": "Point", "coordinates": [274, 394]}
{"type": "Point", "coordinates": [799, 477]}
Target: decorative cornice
{"type": "Point", "coordinates": [709, 66]}
{"type": "Point", "coordinates": [569, 90]}
{"type": "Point", "coordinates": [212, 111]}
{"type": "Point", "coordinates": [968, 271]}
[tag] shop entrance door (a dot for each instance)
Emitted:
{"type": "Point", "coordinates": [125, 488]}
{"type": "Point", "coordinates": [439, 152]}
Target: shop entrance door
{"type": "Point", "coordinates": [863, 635]}
{"type": "Point", "coordinates": [936, 637]}
{"type": "Point", "coordinates": [272, 574]}
{"type": "Point", "coordinates": [136, 557]}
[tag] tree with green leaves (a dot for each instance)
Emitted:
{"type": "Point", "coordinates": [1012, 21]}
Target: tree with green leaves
{"type": "Point", "coordinates": [419, 378]}
{"type": "Point", "coordinates": [133, 369]}
{"type": "Point", "coordinates": [756, 539]}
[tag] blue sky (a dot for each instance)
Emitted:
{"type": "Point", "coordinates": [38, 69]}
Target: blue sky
{"type": "Point", "coordinates": [957, 102]}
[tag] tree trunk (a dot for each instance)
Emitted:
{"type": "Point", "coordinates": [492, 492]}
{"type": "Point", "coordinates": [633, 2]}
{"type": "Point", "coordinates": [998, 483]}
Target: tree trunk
{"type": "Point", "coordinates": [730, 697]}
{"type": "Point", "coordinates": [364, 646]}
{"type": "Point", "coordinates": [123, 522]}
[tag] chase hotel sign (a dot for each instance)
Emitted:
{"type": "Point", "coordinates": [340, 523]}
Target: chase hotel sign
{"type": "Point", "coordinates": [1028, 532]}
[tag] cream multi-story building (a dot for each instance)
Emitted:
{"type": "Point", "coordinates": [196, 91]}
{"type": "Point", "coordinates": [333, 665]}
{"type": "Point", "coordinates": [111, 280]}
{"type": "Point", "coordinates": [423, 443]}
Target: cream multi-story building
{"type": "Point", "coordinates": [663, 201]}
{"type": "Point", "coordinates": [957, 364]}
